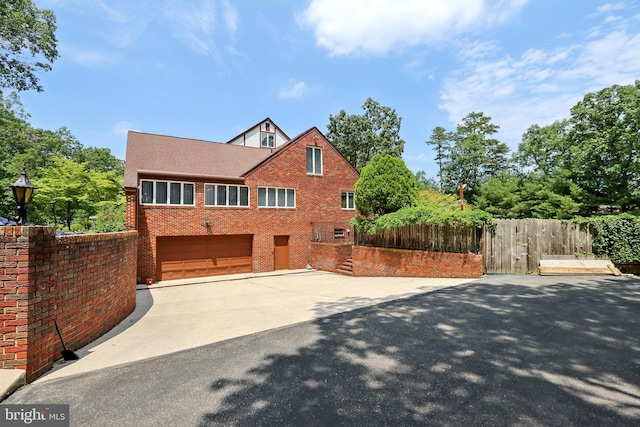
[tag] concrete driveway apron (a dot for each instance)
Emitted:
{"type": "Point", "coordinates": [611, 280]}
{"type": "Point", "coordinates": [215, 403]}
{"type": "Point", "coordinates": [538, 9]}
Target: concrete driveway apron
{"type": "Point", "coordinates": [176, 315]}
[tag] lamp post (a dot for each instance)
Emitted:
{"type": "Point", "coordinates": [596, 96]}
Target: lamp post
{"type": "Point", "coordinates": [22, 193]}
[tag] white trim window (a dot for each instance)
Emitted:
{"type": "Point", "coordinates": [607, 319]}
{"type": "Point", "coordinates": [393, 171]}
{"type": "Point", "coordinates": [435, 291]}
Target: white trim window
{"type": "Point", "coordinates": [275, 197]}
{"type": "Point", "coordinates": [267, 139]}
{"type": "Point", "coordinates": [314, 161]}
{"type": "Point", "coordinates": [226, 195]}
{"type": "Point", "coordinates": [347, 200]}
{"type": "Point", "coordinates": [167, 193]}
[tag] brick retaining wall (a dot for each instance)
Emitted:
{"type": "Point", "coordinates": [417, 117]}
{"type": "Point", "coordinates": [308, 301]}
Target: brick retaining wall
{"type": "Point", "coordinates": [85, 282]}
{"type": "Point", "coordinates": [371, 261]}
{"type": "Point", "coordinates": [328, 256]}
{"type": "Point", "coordinates": [386, 262]}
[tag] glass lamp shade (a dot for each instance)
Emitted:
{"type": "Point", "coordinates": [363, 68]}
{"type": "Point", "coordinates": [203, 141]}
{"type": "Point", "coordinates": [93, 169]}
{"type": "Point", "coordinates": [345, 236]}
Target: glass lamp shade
{"type": "Point", "coordinates": [23, 189]}
{"type": "Point", "coordinates": [22, 195]}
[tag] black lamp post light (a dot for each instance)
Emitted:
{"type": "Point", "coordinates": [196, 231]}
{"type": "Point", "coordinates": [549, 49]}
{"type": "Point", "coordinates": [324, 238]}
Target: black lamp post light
{"type": "Point", "coordinates": [22, 193]}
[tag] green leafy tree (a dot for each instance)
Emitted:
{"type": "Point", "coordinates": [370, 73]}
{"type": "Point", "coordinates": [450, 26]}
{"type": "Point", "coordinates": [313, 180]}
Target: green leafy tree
{"type": "Point", "coordinates": [604, 147]}
{"type": "Point", "coordinates": [544, 150]}
{"type": "Point", "coordinates": [21, 144]}
{"type": "Point", "coordinates": [68, 188]}
{"type": "Point", "coordinates": [425, 183]}
{"type": "Point", "coordinates": [385, 185]}
{"type": "Point", "coordinates": [28, 44]}
{"type": "Point", "coordinates": [360, 137]}
{"type": "Point", "coordinates": [99, 159]}
{"type": "Point", "coordinates": [474, 156]}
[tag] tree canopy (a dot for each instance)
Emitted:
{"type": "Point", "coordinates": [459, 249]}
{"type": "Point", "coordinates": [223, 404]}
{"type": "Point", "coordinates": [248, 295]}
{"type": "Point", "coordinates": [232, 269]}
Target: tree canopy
{"type": "Point", "coordinates": [73, 181]}
{"type": "Point", "coordinates": [470, 154]}
{"type": "Point", "coordinates": [360, 137]}
{"type": "Point", "coordinates": [28, 44]}
{"type": "Point", "coordinates": [604, 147]}
{"type": "Point", "coordinates": [586, 164]}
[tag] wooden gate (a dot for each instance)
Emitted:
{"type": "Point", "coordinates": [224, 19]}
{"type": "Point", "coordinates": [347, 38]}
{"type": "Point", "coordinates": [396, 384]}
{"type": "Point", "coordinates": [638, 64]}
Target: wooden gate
{"type": "Point", "coordinates": [515, 246]}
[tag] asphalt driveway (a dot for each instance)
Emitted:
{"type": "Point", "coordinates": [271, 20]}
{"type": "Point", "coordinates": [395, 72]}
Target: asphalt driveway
{"type": "Point", "coordinates": [504, 350]}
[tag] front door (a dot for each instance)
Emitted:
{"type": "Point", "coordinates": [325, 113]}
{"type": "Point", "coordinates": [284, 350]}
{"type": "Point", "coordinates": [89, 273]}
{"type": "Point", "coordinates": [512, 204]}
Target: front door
{"type": "Point", "coordinates": [281, 252]}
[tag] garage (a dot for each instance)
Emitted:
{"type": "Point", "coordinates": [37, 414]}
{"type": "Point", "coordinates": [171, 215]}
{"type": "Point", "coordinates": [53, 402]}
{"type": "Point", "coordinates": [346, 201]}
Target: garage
{"type": "Point", "coordinates": [181, 257]}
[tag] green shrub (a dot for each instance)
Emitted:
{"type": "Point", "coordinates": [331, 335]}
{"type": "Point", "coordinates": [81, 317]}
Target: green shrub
{"type": "Point", "coordinates": [424, 215]}
{"type": "Point", "coordinates": [385, 185]}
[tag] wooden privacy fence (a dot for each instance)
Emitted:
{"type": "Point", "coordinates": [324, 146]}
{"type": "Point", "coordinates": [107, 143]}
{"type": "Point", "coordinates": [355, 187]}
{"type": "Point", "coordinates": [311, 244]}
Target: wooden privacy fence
{"type": "Point", "coordinates": [516, 246]}
{"type": "Point", "coordinates": [513, 246]}
{"type": "Point", "coordinates": [426, 237]}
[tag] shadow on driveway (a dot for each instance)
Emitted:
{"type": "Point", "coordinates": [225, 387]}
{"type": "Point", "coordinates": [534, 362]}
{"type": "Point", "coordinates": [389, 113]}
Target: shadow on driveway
{"type": "Point", "coordinates": [505, 350]}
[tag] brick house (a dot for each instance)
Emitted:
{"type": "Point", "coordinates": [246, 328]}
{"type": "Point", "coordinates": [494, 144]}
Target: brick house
{"type": "Point", "coordinates": [252, 204]}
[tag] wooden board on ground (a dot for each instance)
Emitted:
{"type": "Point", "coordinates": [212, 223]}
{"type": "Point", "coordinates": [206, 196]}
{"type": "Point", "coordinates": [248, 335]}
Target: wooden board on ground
{"type": "Point", "coordinates": [577, 267]}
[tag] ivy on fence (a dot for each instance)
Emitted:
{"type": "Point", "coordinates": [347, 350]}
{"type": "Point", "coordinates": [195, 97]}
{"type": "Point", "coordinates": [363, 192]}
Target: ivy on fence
{"type": "Point", "coordinates": [616, 236]}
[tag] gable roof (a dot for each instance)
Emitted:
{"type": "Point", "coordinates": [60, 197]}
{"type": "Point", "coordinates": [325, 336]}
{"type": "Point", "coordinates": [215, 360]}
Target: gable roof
{"type": "Point", "coordinates": [266, 119]}
{"type": "Point", "coordinates": [174, 156]}
{"type": "Point", "coordinates": [292, 142]}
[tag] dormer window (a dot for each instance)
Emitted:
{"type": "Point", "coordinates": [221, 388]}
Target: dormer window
{"type": "Point", "coordinates": [267, 137]}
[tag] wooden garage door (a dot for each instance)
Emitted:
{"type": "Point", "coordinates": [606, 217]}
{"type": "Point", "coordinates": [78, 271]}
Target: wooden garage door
{"type": "Point", "coordinates": [183, 257]}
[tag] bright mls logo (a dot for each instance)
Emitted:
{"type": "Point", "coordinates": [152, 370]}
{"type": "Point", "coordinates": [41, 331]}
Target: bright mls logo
{"type": "Point", "coordinates": [35, 415]}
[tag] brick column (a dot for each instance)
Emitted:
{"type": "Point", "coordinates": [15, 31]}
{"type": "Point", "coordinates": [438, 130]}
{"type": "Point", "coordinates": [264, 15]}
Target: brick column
{"type": "Point", "coordinates": [14, 291]}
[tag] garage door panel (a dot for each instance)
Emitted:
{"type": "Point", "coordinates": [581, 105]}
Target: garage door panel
{"type": "Point", "coordinates": [170, 249]}
{"type": "Point", "coordinates": [199, 256]}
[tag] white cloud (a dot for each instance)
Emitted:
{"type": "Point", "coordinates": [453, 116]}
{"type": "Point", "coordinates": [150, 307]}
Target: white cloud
{"type": "Point", "coordinates": [377, 27]}
{"type": "Point", "coordinates": [230, 17]}
{"type": "Point", "coordinates": [87, 57]}
{"type": "Point", "coordinates": [610, 7]}
{"type": "Point", "coordinates": [295, 90]}
{"type": "Point", "coordinates": [540, 86]}
{"type": "Point", "coordinates": [196, 24]}
{"type": "Point", "coordinates": [121, 129]}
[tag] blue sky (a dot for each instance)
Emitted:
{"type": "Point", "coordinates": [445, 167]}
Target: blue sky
{"type": "Point", "coordinates": [209, 69]}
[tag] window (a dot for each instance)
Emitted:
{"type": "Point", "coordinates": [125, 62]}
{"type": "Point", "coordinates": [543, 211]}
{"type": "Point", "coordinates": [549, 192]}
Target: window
{"type": "Point", "coordinates": [268, 139]}
{"type": "Point", "coordinates": [338, 232]}
{"type": "Point", "coordinates": [167, 193]}
{"type": "Point", "coordinates": [314, 160]}
{"type": "Point", "coordinates": [347, 200]}
{"type": "Point", "coordinates": [147, 192]}
{"type": "Point", "coordinates": [271, 197]}
{"type": "Point", "coordinates": [226, 195]}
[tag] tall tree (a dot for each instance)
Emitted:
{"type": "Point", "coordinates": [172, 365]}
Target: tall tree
{"type": "Point", "coordinates": [475, 156]}
{"type": "Point", "coordinates": [360, 137]}
{"type": "Point", "coordinates": [604, 147]}
{"type": "Point", "coordinates": [544, 150]}
{"type": "Point", "coordinates": [28, 44]}
{"type": "Point", "coordinates": [441, 140]}
{"type": "Point", "coordinates": [99, 159]}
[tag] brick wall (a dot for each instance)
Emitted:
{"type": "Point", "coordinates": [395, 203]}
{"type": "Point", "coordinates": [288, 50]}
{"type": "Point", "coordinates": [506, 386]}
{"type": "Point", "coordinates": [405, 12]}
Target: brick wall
{"type": "Point", "coordinates": [370, 261]}
{"type": "Point", "coordinates": [85, 282]}
{"type": "Point", "coordinates": [318, 198]}
{"type": "Point", "coordinates": [328, 256]}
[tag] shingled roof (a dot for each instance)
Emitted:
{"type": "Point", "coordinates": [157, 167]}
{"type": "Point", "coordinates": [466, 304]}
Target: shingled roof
{"type": "Point", "coordinates": [174, 156]}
